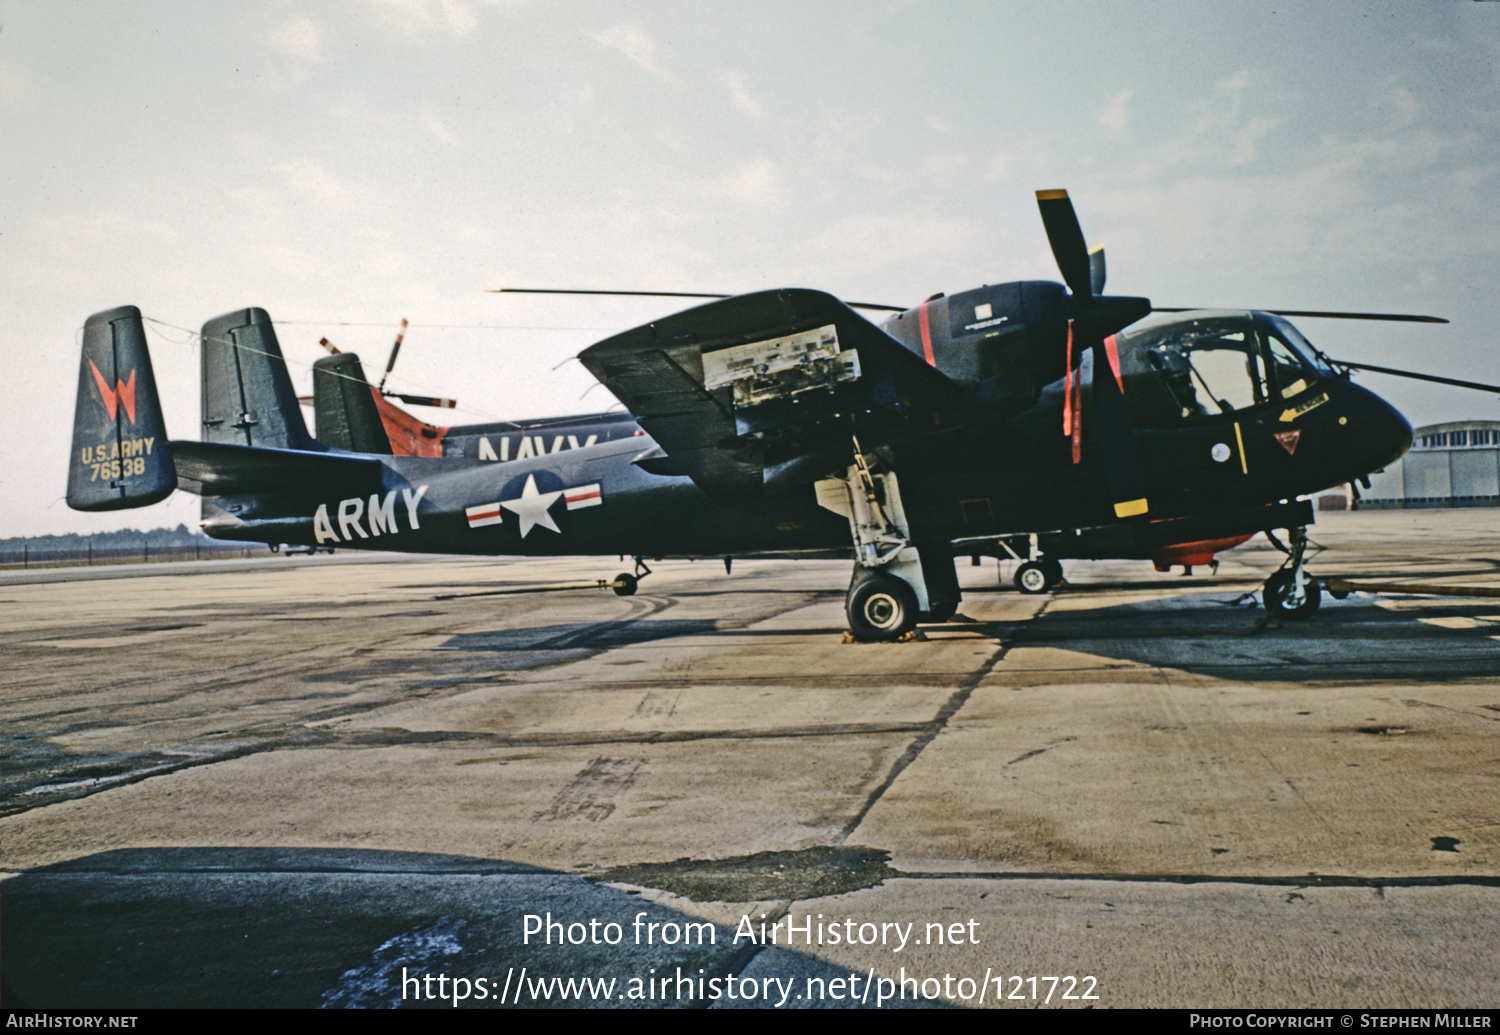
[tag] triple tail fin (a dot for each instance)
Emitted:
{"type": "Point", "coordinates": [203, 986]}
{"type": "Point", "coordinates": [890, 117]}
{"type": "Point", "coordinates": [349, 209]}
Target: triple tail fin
{"type": "Point", "coordinates": [344, 406]}
{"type": "Point", "coordinates": [248, 399]}
{"type": "Point", "coordinates": [120, 455]}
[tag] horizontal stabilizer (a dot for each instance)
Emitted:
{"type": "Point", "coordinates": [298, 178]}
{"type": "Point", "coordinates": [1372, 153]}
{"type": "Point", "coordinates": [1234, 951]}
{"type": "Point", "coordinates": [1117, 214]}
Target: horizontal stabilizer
{"type": "Point", "coordinates": [120, 456]}
{"type": "Point", "coordinates": [220, 469]}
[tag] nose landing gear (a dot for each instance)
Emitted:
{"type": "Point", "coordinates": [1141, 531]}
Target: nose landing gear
{"type": "Point", "coordinates": [1291, 592]}
{"type": "Point", "coordinates": [1038, 576]}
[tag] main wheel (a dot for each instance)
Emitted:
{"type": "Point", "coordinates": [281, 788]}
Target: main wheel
{"type": "Point", "coordinates": [627, 583]}
{"type": "Point", "coordinates": [1035, 577]}
{"type": "Point", "coordinates": [1279, 592]}
{"type": "Point", "coordinates": [881, 608]}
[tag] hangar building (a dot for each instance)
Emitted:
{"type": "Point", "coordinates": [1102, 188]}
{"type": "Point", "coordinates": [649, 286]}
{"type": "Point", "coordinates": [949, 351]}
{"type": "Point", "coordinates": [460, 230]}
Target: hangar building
{"type": "Point", "coordinates": [1449, 465]}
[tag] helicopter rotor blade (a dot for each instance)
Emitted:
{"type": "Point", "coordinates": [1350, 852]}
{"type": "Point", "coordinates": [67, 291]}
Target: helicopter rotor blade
{"type": "Point", "coordinates": [1068, 246]}
{"type": "Point", "coordinates": [1396, 317]}
{"type": "Point", "coordinates": [423, 400]}
{"type": "Point", "coordinates": [1418, 377]}
{"type": "Point", "coordinates": [664, 294]}
{"type": "Point", "coordinates": [390, 364]}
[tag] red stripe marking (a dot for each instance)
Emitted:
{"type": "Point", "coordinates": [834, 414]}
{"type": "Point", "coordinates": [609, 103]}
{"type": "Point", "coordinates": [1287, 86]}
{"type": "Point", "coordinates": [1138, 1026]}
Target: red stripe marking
{"type": "Point", "coordinates": [1114, 360]}
{"type": "Point", "coordinates": [1068, 385]}
{"type": "Point", "coordinates": [575, 497]}
{"type": "Point", "coordinates": [926, 334]}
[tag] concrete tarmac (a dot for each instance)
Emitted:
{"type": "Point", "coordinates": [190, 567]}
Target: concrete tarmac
{"type": "Point", "coordinates": [312, 782]}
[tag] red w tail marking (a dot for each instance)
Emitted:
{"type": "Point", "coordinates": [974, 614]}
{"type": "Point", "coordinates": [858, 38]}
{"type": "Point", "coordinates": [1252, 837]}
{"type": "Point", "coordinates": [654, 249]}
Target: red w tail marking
{"type": "Point", "coordinates": [124, 391]}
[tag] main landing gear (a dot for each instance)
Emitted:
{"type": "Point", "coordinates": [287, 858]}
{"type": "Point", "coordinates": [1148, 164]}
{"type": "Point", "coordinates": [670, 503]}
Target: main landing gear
{"type": "Point", "coordinates": [897, 581]}
{"type": "Point", "coordinates": [882, 607]}
{"type": "Point", "coordinates": [1291, 592]}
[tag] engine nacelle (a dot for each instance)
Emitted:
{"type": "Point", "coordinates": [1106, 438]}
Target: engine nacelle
{"type": "Point", "coordinates": [1009, 340]}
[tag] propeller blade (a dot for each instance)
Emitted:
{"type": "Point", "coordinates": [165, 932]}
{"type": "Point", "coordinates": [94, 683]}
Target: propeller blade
{"type": "Point", "coordinates": [1066, 238]}
{"type": "Point", "coordinates": [1096, 270]}
{"type": "Point", "coordinates": [1399, 317]}
{"type": "Point", "coordinates": [1419, 377]}
{"type": "Point", "coordinates": [390, 364]}
{"type": "Point", "coordinates": [1122, 465]}
{"type": "Point", "coordinates": [664, 294]}
{"type": "Point", "coordinates": [423, 400]}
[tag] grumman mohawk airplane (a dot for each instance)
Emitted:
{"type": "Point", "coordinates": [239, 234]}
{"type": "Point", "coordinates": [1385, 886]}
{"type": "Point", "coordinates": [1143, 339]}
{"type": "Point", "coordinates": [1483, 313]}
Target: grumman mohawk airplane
{"type": "Point", "coordinates": [784, 424]}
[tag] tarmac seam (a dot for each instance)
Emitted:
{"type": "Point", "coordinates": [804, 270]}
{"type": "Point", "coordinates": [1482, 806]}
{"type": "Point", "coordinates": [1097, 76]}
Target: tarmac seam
{"type": "Point", "coordinates": [932, 728]}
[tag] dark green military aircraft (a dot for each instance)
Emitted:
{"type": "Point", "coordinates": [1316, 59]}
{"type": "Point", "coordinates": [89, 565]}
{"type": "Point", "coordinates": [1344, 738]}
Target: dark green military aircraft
{"type": "Point", "coordinates": [785, 424]}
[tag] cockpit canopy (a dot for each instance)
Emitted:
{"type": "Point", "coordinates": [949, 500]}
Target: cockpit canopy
{"type": "Point", "coordinates": [1211, 365]}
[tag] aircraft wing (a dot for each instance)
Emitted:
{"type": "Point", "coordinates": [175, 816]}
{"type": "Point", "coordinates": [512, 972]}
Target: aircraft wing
{"type": "Point", "coordinates": [757, 393]}
{"type": "Point", "coordinates": [221, 469]}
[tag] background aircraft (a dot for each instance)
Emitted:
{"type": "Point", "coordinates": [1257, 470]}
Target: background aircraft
{"type": "Point", "coordinates": [784, 423]}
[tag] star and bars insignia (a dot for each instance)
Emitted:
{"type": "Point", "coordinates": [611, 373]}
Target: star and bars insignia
{"type": "Point", "coordinates": [533, 507]}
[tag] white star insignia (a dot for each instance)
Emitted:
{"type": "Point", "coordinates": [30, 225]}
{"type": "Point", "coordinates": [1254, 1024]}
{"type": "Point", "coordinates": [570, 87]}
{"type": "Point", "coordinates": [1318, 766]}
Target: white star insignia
{"type": "Point", "coordinates": [532, 506]}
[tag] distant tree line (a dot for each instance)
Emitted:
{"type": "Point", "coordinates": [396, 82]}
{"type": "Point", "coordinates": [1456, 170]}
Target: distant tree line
{"type": "Point", "coordinates": [123, 539]}
{"type": "Point", "coordinates": [126, 546]}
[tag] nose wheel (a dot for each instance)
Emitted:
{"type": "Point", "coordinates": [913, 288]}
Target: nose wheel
{"type": "Point", "coordinates": [1283, 597]}
{"type": "Point", "coordinates": [1039, 576]}
{"type": "Point", "coordinates": [1291, 592]}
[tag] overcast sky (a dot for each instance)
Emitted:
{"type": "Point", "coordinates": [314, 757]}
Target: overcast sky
{"type": "Point", "coordinates": [346, 163]}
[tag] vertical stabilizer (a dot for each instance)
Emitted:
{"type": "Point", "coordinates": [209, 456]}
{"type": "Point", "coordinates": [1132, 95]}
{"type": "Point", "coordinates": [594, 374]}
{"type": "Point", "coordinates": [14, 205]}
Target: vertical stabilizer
{"type": "Point", "coordinates": [248, 399]}
{"type": "Point", "coordinates": [344, 406]}
{"type": "Point", "coordinates": [120, 457]}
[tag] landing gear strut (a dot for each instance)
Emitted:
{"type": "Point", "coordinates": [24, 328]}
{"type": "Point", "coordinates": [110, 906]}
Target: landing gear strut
{"type": "Point", "coordinates": [1291, 592]}
{"type": "Point", "coordinates": [897, 581]}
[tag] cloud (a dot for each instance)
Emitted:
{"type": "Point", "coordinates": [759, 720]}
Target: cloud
{"type": "Point", "coordinates": [739, 89]}
{"type": "Point", "coordinates": [308, 179]}
{"type": "Point", "coordinates": [1115, 118]}
{"type": "Point", "coordinates": [424, 17]}
{"type": "Point", "coordinates": [632, 42]}
{"type": "Point", "coordinates": [1399, 106]}
{"type": "Point", "coordinates": [944, 166]}
{"type": "Point", "coordinates": [943, 126]}
{"type": "Point", "coordinates": [757, 184]}
{"type": "Point", "coordinates": [299, 37]}
{"type": "Point", "coordinates": [438, 128]}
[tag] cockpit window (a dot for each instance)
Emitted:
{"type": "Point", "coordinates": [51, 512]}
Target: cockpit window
{"type": "Point", "coordinates": [1292, 359]}
{"type": "Point", "coordinates": [1208, 368]}
{"type": "Point", "coordinates": [1193, 370]}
